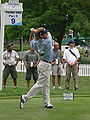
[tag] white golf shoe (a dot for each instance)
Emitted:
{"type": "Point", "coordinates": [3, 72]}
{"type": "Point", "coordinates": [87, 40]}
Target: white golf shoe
{"type": "Point", "coordinates": [22, 101]}
{"type": "Point", "coordinates": [49, 106]}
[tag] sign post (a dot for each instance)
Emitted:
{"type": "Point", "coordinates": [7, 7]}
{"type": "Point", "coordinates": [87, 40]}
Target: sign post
{"type": "Point", "coordinates": [1, 44]}
{"type": "Point", "coordinates": [11, 14]}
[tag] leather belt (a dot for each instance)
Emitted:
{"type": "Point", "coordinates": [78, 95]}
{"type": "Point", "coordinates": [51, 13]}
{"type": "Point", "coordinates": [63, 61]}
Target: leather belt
{"type": "Point", "coordinates": [47, 61]}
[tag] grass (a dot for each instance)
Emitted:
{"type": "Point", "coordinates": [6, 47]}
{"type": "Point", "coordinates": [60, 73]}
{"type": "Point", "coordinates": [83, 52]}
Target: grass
{"type": "Point", "coordinates": [84, 87]}
{"type": "Point", "coordinates": [34, 110]}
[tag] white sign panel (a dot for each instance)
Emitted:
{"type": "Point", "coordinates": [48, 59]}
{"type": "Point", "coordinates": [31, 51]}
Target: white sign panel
{"type": "Point", "coordinates": [13, 1]}
{"type": "Point", "coordinates": [13, 18]}
{"type": "Point", "coordinates": [68, 96]}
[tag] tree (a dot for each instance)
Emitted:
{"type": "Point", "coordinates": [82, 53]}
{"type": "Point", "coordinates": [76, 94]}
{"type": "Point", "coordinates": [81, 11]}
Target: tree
{"type": "Point", "coordinates": [57, 15]}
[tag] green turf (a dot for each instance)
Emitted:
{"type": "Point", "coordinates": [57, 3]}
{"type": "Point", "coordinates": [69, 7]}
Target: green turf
{"type": "Point", "coordinates": [33, 110]}
{"type": "Point", "coordinates": [84, 87]}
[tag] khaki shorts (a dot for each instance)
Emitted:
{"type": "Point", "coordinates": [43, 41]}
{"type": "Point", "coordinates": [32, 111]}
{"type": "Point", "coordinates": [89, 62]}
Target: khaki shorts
{"type": "Point", "coordinates": [56, 69]}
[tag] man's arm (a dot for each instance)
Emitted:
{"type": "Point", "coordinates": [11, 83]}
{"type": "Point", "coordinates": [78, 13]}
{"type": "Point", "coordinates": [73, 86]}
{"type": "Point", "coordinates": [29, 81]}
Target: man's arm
{"type": "Point", "coordinates": [66, 61]}
{"type": "Point", "coordinates": [16, 62]}
{"type": "Point", "coordinates": [17, 58]}
{"type": "Point", "coordinates": [37, 60]}
{"type": "Point", "coordinates": [65, 58]}
{"type": "Point", "coordinates": [75, 62]}
{"type": "Point", "coordinates": [25, 64]}
{"type": "Point", "coordinates": [4, 53]}
{"type": "Point", "coordinates": [5, 64]}
{"type": "Point", "coordinates": [25, 61]}
{"type": "Point", "coordinates": [78, 56]}
{"type": "Point", "coordinates": [31, 37]}
{"type": "Point", "coordinates": [37, 30]}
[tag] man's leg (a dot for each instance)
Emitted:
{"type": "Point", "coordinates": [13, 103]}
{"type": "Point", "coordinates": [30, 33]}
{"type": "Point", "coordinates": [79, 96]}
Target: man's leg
{"type": "Point", "coordinates": [43, 72]}
{"type": "Point", "coordinates": [59, 81]}
{"type": "Point", "coordinates": [46, 90]}
{"type": "Point", "coordinates": [5, 75]}
{"type": "Point", "coordinates": [33, 91]}
{"type": "Point", "coordinates": [54, 74]}
{"type": "Point", "coordinates": [40, 82]}
{"type": "Point", "coordinates": [14, 75]}
{"type": "Point", "coordinates": [28, 83]}
{"type": "Point", "coordinates": [15, 82]}
{"type": "Point", "coordinates": [75, 76]}
{"type": "Point", "coordinates": [4, 83]}
{"type": "Point", "coordinates": [37, 87]}
{"type": "Point", "coordinates": [28, 77]}
{"type": "Point", "coordinates": [59, 76]}
{"type": "Point", "coordinates": [53, 81]}
{"type": "Point", "coordinates": [68, 75]}
{"type": "Point", "coordinates": [35, 75]}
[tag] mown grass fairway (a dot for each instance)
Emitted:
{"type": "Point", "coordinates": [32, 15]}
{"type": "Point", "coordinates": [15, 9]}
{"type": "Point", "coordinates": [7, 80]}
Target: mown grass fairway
{"type": "Point", "coordinates": [84, 87]}
{"type": "Point", "coordinates": [79, 109]}
{"type": "Point", "coordinates": [33, 110]}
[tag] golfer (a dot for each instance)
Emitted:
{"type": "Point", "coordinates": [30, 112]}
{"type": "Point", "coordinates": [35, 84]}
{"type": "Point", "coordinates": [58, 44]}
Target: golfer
{"type": "Point", "coordinates": [44, 47]}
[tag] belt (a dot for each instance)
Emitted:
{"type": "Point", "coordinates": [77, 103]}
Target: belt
{"type": "Point", "coordinates": [47, 61]}
{"type": "Point", "coordinates": [10, 65]}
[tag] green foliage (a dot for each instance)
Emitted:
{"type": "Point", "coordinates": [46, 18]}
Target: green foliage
{"type": "Point", "coordinates": [57, 15]}
{"type": "Point", "coordinates": [83, 59]}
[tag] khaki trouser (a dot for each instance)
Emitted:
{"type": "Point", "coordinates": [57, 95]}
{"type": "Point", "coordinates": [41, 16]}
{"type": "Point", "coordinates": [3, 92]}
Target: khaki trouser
{"type": "Point", "coordinates": [74, 71]}
{"type": "Point", "coordinates": [43, 83]}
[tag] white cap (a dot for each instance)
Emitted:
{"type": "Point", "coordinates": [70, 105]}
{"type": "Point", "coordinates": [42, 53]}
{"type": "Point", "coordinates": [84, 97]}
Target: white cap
{"type": "Point", "coordinates": [32, 29]}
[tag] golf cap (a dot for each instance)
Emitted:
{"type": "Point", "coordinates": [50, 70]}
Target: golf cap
{"type": "Point", "coordinates": [71, 41]}
{"type": "Point", "coordinates": [9, 45]}
{"type": "Point", "coordinates": [43, 32]}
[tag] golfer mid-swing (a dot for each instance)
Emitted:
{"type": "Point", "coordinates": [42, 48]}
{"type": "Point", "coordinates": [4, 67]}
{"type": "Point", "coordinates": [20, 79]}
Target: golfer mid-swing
{"type": "Point", "coordinates": [44, 47]}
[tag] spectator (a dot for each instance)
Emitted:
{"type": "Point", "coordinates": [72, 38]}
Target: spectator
{"type": "Point", "coordinates": [86, 54]}
{"type": "Point", "coordinates": [56, 65]}
{"type": "Point", "coordinates": [10, 61]}
{"type": "Point", "coordinates": [71, 56]}
{"type": "Point", "coordinates": [31, 61]}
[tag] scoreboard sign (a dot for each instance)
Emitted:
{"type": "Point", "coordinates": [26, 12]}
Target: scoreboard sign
{"type": "Point", "coordinates": [13, 18]}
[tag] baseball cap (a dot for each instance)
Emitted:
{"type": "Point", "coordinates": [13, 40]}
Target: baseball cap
{"type": "Point", "coordinates": [71, 41]}
{"type": "Point", "coordinates": [43, 32]}
{"type": "Point", "coordinates": [9, 45]}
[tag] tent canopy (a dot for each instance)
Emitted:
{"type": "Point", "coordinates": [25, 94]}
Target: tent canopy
{"type": "Point", "coordinates": [78, 40]}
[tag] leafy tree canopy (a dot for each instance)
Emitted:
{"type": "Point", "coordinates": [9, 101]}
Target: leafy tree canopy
{"type": "Point", "coordinates": [57, 15]}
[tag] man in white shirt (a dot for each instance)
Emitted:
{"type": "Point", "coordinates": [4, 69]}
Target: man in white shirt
{"type": "Point", "coordinates": [10, 61]}
{"type": "Point", "coordinates": [71, 56]}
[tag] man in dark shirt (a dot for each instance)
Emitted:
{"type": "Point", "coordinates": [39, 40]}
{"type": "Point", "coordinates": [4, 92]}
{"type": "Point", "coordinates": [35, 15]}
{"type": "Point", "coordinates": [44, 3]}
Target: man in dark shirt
{"type": "Point", "coordinates": [31, 61]}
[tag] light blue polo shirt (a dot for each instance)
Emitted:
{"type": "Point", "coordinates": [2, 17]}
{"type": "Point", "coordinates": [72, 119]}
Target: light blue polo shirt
{"type": "Point", "coordinates": [44, 45]}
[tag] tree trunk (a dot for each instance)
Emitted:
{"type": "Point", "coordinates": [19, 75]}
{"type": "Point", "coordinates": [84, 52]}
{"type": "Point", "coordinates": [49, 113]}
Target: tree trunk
{"type": "Point", "coordinates": [20, 44]}
{"type": "Point", "coordinates": [59, 40]}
